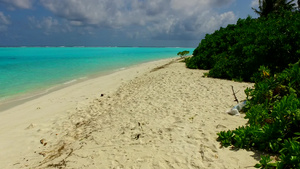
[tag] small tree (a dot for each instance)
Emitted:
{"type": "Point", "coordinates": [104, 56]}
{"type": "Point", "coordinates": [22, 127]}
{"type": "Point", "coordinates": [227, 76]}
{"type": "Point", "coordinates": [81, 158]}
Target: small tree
{"type": "Point", "coordinates": [183, 53]}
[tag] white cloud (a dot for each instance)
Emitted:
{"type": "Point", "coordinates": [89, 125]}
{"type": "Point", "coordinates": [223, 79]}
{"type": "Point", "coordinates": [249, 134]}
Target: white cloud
{"type": "Point", "coordinates": [297, 4]}
{"type": "Point", "coordinates": [24, 4]}
{"type": "Point", "coordinates": [170, 17]}
{"type": "Point", "coordinates": [254, 3]}
{"type": "Point", "coordinates": [4, 22]}
{"type": "Point", "coordinates": [216, 21]}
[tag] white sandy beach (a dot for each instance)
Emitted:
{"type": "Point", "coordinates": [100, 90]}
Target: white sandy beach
{"type": "Point", "coordinates": [154, 115]}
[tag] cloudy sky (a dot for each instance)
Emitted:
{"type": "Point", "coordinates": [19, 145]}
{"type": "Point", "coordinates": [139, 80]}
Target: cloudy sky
{"type": "Point", "coordinates": [116, 22]}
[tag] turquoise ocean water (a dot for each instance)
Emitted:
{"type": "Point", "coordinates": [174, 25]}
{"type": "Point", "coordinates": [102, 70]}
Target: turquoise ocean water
{"type": "Point", "coordinates": [28, 69]}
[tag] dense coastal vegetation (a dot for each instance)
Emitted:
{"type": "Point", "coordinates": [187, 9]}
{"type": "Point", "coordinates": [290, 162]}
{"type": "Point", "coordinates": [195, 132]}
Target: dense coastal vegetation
{"type": "Point", "coordinates": [273, 113]}
{"type": "Point", "coordinates": [237, 51]}
{"type": "Point", "coordinates": [265, 51]}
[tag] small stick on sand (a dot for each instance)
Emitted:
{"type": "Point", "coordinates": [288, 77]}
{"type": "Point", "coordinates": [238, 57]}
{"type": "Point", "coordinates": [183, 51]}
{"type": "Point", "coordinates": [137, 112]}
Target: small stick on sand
{"type": "Point", "coordinates": [236, 99]}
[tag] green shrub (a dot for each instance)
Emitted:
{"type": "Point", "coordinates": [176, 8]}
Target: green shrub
{"type": "Point", "coordinates": [273, 113]}
{"type": "Point", "coordinates": [183, 53]}
{"type": "Point", "coordinates": [237, 51]}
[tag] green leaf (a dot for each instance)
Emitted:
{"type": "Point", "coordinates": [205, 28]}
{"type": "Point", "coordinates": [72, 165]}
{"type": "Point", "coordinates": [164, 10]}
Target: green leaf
{"type": "Point", "coordinates": [257, 165]}
{"type": "Point", "coordinates": [297, 133]}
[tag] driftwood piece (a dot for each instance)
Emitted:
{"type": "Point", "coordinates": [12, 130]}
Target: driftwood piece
{"type": "Point", "coordinates": [235, 98]}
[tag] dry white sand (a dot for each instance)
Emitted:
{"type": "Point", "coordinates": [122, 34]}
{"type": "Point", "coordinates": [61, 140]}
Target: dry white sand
{"type": "Point", "coordinates": [151, 116]}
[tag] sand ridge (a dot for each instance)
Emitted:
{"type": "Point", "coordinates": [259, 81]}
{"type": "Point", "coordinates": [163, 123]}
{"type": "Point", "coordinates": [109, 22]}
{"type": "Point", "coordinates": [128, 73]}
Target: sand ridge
{"type": "Point", "coordinates": [165, 117]}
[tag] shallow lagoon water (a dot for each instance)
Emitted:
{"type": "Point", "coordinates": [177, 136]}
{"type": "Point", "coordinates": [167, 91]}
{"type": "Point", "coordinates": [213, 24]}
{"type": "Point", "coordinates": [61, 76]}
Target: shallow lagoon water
{"type": "Point", "coordinates": [28, 69]}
